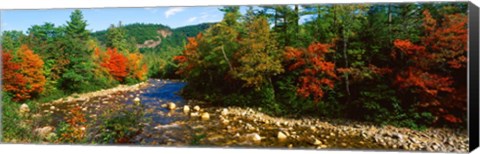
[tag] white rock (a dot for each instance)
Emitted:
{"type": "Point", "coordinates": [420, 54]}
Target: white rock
{"type": "Point", "coordinates": [52, 107]}
{"type": "Point", "coordinates": [225, 121]}
{"type": "Point", "coordinates": [281, 136]}
{"type": "Point", "coordinates": [316, 142]}
{"type": "Point", "coordinates": [193, 114]}
{"type": "Point", "coordinates": [196, 108]}
{"type": "Point", "coordinates": [205, 116]}
{"type": "Point", "coordinates": [224, 112]}
{"type": "Point", "coordinates": [136, 101]}
{"type": "Point", "coordinates": [254, 137]}
{"type": "Point", "coordinates": [186, 109]}
{"type": "Point", "coordinates": [171, 106]}
{"type": "Point", "coordinates": [24, 108]}
{"type": "Point", "coordinates": [164, 105]}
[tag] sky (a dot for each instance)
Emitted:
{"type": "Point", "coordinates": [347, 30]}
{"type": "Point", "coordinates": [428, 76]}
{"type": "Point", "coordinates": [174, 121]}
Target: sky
{"type": "Point", "coordinates": [101, 19]}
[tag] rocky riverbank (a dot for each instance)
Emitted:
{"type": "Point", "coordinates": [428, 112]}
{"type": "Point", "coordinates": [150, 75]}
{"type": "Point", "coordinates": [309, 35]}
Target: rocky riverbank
{"type": "Point", "coordinates": [195, 123]}
{"type": "Point", "coordinates": [341, 134]}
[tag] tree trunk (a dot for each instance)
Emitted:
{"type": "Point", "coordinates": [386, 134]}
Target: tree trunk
{"type": "Point", "coordinates": [345, 39]}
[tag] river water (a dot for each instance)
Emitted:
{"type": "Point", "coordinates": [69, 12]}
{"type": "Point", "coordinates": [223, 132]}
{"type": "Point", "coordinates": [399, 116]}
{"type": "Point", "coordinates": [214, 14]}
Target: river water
{"type": "Point", "coordinates": [166, 127]}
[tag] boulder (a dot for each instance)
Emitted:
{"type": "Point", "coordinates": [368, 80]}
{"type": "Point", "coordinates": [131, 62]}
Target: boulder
{"type": "Point", "coordinates": [281, 136]}
{"type": "Point", "coordinates": [205, 116]}
{"type": "Point", "coordinates": [196, 108]}
{"type": "Point", "coordinates": [171, 106]}
{"type": "Point", "coordinates": [136, 101]}
{"type": "Point", "coordinates": [224, 112]}
{"type": "Point", "coordinates": [24, 108]}
{"type": "Point", "coordinates": [186, 109]}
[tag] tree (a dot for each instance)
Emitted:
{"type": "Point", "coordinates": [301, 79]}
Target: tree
{"type": "Point", "coordinates": [317, 74]}
{"type": "Point", "coordinates": [25, 78]}
{"type": "Point", "coordinates": [259, 57]}
{"type": "Point", "coordinates": [116, 63]}
{"type": "Point", "coordinates": [435, 70]}
{"type": "Point", "coordinates": [116, 38]}
{"type": "Point", "coordinates": [136, 68]}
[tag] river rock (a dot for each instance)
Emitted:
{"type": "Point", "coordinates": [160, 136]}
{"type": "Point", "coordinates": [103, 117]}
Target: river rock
{"type": "Point", "coordinates": [186, 109]}
{"type": "Point", "coordinates": [196, 108]}
{"type": "Point", "coordinates": [224, 112]}
{"type": "Point", "coordinates": [316, 142]}
{"type": "Point", "coordinates": [171, 106]}
{"type": "Point", "coordinates": [164, 105]}
{"type": "Point", "coordinates": [193, 114]}
{"type": "Point", "coordinates": [281, 136]}
{"type": "Point", "coordinates": [24, 108]}
{"type": "Point", "coordinates": [44, 131]}
{"type": "Point", "coordinates": [52, 107]}
{"type": "Point", "coordinates": [136, 101]}
{"type": "Point", "coordinates": [205, 116]}
{"type": "Point", "coordinates": [254, 137]}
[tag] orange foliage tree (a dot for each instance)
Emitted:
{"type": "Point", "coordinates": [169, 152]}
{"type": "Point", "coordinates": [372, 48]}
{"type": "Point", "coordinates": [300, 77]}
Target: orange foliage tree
{"type": "Point", "coordinates": [317, 74]}
{"type": "Point", "coordinates": [137, 69]}
{"type": "Point", "coordinates": [190, 57]}
{"type": "Point", "coordinates": [25, 78]}
{"type": "Point", "coordinates": [116, 64]}
{"type": "Point", "coordinates": [435, 70]}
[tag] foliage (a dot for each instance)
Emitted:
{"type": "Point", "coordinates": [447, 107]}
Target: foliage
{"type": "Point", "coordinates": [120, 125]}
{"type": "Point", "coordinates": [73, 131]}
{"type": "Point", "coordinates": [24, 78]}
{"type": "Point", "coordinates": [317, 74]}
{"type": "Point", "coordinates": [440, 89]}
{"type": "Point", "coordinates": [116, 64]}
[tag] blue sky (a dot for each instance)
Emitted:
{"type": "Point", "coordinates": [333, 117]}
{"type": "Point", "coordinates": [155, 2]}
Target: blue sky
{"type": "Point", "coordinates": [100, 19]}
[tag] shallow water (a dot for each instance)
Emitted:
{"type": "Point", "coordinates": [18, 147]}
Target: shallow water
{"type": "Point", "coordinates": [175, 128]}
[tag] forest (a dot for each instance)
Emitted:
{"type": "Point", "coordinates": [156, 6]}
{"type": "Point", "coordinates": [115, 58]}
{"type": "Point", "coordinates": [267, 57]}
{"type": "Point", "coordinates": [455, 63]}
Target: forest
{"type": "Point", "coordinates": [403, 65]}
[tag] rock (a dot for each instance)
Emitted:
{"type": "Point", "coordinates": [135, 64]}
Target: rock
{"type": "Point", "coordinates": [105, 102]}
{"type": "Point", "coordinates": [225, 121]}
{"type": "Point", "coordinates": [254, 137]}
{"type": "Point", "coordinates": [316, 142]}
{"type": "Point", "coordinates": [136, 101]}
{"type": "Point", "coordinates": [24, 108]}
{"type": "Point", "coordinates": [52, 107]}
{"type": "Point", "coordinates": [205, 116]}
{"type": "Point", "coordinates": [44, 131]}
{"type": "Point", "coordinates": [84, 109]}
{"type": "Point", "coordinates": [171, 106]}
{"type": "Point", "coordinates": [164, 105]}
{"type": "Point", "coordinates": [290, 146]}
{"type": "Point", "coordinates": [193, 114]}
{"type": "Point", "coordinates": [281, 136]}
{"type": "Point", "coordinates": [186, 109]}
{"type": "Point", "coordinates": [224, 112]}
{"type": "Point", "coordinates": [196, 108]}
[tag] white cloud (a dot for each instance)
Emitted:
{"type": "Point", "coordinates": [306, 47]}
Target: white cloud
{"type": "Point", "coordinates": [192, 19]}
{"type": "Point", "coordinates": [173, 10]}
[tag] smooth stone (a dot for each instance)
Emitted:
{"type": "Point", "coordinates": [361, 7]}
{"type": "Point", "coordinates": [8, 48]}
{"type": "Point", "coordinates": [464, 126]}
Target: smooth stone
{"type": "Point", "coordinates": [52, 107]}
{"type": "Point", "coordinates": [316, 142]}
{"type": "Point", "coordinates": [186, 109]}
{"type": "Point", "coordinates": [196, 108]}
{"type": "Point", "coordinates": [171, 106]}
{"type": "Point", "coordinates": [281, 136]}
{"type": "Point", "coordinates": [205, 116]}
{"type": "Point", "coordinates": [24, 108]}
{"type": "Point", "coordinates": [224, 112]}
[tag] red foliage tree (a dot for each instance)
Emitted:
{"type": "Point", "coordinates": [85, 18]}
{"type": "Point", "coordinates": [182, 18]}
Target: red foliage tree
{"type": "Point", "coordinates": [24, 78]}
{"type": "Point", "coordinates": [116, 63]}
{"type": "Point", "coordinates": [435, 70]}
{"type": "Point", "coordinates": [317, 74]}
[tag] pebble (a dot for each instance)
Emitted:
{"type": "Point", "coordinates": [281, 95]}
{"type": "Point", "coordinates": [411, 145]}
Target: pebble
{"type": "Point", "coordinates": [281, 136]}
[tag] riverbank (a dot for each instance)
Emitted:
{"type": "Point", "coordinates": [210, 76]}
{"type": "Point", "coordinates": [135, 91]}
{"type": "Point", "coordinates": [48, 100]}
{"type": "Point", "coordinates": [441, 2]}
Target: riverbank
{"type": "Point", "coordinates": [247, 127]}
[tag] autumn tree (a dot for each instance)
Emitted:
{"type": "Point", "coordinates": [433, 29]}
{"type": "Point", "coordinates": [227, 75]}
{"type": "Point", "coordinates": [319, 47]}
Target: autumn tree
{"type": "Point", "coordinates": [25, 78]}
{"type": "Point", "coordinates": [317, 74]}
{"type": "Point", "coordinates": [259, 56]}
{"type": "Point", "coordinates": [116, 63]}
{"type": "Point", "coordinates": [435, 69]}
{"type": "Point", "coordinates": [137, 70]}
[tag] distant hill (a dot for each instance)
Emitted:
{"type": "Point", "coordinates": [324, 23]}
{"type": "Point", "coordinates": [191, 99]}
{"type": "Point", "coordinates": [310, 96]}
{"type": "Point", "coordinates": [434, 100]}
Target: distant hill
{"type": "Point", "coordinates": [157, 35]}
